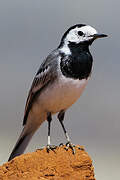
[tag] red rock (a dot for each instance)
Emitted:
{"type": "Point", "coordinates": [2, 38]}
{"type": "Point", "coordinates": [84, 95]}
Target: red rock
{"type": "Point", "coordinates": [57, 165]}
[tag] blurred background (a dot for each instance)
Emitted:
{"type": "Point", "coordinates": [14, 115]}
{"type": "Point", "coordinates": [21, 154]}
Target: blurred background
{"type": "Point", "coordinates": [29, 30]}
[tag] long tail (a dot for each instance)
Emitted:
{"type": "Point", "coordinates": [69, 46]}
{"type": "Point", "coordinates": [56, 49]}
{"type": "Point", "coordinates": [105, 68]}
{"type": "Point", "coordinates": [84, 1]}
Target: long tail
{"type": "Point", "coordinates": [21, 144]}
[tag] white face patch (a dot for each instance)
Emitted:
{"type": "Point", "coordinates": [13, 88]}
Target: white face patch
{"type": "Point", "coordinates": [65, 49]}
{"type": "Point", "coordinates": [73, 35]}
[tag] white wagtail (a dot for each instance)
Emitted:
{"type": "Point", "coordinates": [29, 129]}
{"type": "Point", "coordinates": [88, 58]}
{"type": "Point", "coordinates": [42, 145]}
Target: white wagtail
{"type": "Point", "coordinates": [58, 83]}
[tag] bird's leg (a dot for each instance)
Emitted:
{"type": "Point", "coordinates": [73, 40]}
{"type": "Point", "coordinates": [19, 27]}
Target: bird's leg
{"type": "Point", "coordinates": [61, 118]}
{"type": "Point", "coordinates": [49, 147]}
{"type": "Point", "coordinates": [68, 144]}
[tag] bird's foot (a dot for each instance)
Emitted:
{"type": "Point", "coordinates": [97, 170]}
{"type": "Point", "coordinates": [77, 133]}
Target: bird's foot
{"type": "Point", "coordinates": [61, 144]}
{"type": "Point", "coordinates": [50, 147]}
{"type": "Point", "coordinates": [71, 146]}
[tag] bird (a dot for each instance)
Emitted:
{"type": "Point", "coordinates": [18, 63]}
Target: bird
{"type": "Point", "coordinates": [58, 84]}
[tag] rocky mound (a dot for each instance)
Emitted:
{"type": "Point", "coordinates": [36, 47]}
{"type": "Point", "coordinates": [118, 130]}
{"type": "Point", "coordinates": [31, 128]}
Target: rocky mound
{"type": "Point", "coordinates": [57, 165]}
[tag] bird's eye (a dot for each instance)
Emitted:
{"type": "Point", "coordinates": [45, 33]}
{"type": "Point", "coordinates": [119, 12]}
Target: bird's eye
{"type": "Point", "coordinates": [80, 33]}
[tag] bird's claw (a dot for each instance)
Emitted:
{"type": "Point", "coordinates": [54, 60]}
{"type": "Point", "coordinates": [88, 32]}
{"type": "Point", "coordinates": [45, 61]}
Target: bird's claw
{"type": "Point", "coordinates": [50, 147]}
{"type": "Point", "coordinates": [71, 146]}
{"type": "Point", "coordinates": [61, 144]}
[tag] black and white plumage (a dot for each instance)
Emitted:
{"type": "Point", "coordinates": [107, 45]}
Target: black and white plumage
{"type": "Point", "coordinates": [58, 83]}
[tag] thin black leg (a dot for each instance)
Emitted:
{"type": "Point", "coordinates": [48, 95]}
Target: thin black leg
{"type": "Point", "coordinates": [68, 144]}
{"type": "Point", "coordinates": [61, 118]}
{"type": "Point", "coordinates": [49, 146]}
{"type": "Point", "coordinates": [49, 119]}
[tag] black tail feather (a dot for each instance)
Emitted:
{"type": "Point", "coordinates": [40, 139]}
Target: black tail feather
{"type": "Point", "coordinates": [21, 145]}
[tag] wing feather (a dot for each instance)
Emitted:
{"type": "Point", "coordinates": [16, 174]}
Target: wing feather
{"type": "Point", "coordinates": [45, 75]}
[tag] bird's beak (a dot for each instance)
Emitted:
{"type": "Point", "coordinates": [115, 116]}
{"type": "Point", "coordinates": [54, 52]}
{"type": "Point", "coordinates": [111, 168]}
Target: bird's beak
{"type": "Point", "coordinates": [96, 36]}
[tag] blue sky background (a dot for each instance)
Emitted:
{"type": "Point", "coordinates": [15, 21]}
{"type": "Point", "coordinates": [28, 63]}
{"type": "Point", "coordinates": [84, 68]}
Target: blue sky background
{"type": "Point", "coordinates": [29, 30]}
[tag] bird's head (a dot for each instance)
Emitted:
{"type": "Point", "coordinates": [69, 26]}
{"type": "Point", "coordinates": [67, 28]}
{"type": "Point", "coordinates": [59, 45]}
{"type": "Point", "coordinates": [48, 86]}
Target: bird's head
{"type": "Point", "coordinates": [80, 34]}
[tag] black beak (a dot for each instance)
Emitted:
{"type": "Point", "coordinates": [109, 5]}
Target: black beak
{"type": "Point", "coordinates": [96, 36]}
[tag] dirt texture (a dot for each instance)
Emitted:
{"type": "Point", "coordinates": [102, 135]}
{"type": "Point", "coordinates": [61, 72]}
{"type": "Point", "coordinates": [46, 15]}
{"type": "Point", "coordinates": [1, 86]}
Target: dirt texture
{"type": "Point", "coordinates": [55, 165]}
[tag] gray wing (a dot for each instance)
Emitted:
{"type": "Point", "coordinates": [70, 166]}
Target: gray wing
{"type": "Point", "coordinates": [45, 75]}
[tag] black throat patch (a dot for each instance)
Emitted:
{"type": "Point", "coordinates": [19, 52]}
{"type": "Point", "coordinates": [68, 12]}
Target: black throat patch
{"type": "Point", "coordinates": [78, 65]}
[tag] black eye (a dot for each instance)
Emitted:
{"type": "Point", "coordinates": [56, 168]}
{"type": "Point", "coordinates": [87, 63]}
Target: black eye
{"type": "Point", "coordinates": [80, 33]}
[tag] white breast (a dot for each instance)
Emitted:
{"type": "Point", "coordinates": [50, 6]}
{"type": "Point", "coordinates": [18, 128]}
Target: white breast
{"type": "Point", "coordinates": [61, 94]}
